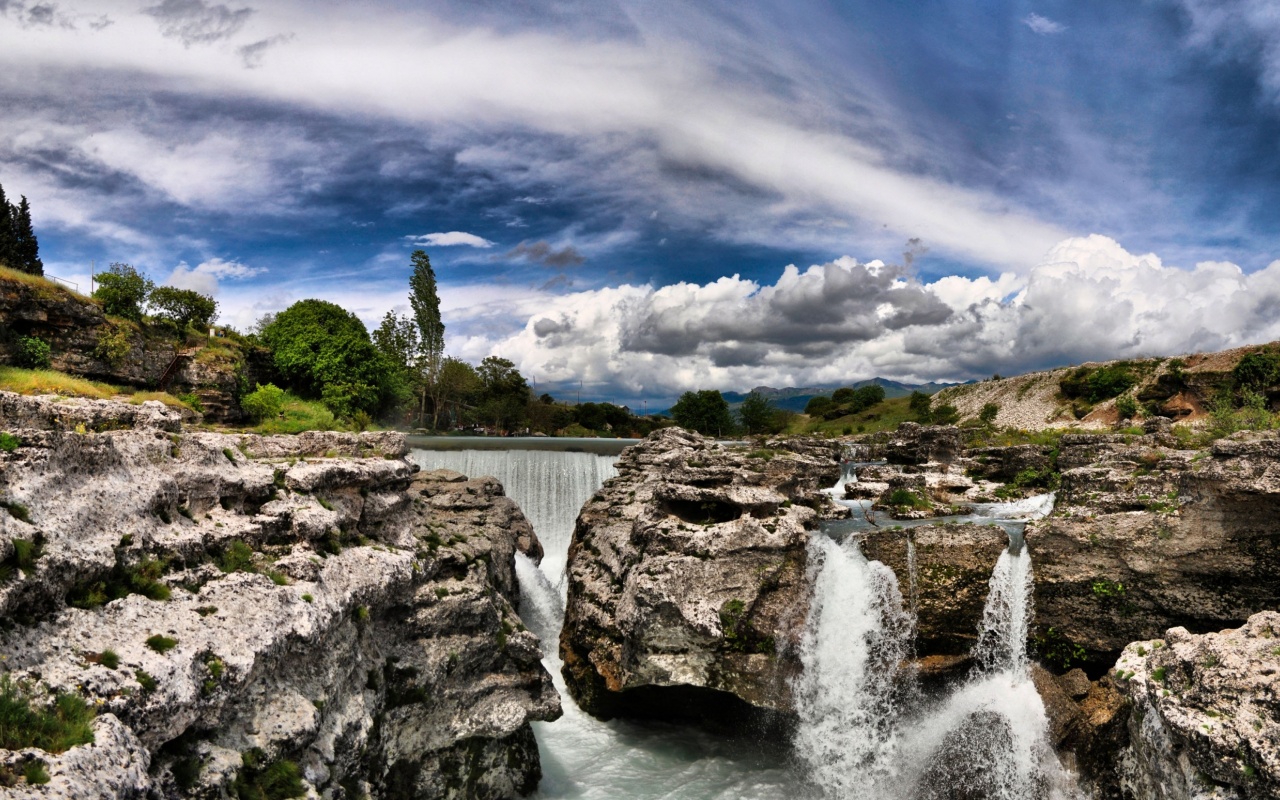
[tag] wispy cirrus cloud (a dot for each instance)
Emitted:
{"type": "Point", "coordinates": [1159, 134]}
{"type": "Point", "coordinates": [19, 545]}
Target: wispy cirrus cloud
{"type": "Point", "coordinates": [1043, 25]}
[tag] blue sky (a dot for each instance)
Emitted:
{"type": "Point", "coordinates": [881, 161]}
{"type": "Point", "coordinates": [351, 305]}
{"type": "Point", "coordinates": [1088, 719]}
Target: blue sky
{"type": "Point", "coordinates": [653, 197]}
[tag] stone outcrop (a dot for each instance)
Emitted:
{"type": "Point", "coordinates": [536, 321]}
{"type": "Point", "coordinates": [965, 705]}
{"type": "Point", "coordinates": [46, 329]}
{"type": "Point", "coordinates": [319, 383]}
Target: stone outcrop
{"type": "Point", "coordinates": [687, 578]}
{"type": "Point", "coordinates": [948, 588]}
{"type": "Point", "coordinates": [1146, 538]}
{"type": "Point", "coordinates": [1206, 713]}
{"type": "Point", "coordinates": [75, 327]}
{"type": "Point", "coordinates": [913, 443]}
{"type": "Point", "coordinates": [230, 603]}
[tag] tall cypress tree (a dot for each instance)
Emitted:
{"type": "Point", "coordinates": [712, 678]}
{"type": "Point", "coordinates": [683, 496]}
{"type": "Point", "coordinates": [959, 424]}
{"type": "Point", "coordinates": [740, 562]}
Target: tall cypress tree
{"type": "Point", "coordinates": [7, 234]}
{"type": "Point", "coordinates": [426, 313]}
{"type": "Point", "coordinates": [26, 250]}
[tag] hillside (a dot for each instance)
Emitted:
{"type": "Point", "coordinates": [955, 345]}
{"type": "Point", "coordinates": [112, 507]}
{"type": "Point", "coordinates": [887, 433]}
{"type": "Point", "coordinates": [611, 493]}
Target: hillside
{"type": "Point", "coordinates": [1092, 395]}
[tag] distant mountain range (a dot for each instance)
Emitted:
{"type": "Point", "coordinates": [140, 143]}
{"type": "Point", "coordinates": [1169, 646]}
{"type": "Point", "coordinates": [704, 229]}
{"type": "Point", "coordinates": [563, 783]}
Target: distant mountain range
{"type": "Point", "coordinates": [795, 398]}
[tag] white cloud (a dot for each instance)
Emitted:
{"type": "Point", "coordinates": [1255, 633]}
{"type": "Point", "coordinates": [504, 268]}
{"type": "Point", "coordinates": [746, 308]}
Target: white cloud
{"type": "Point", "coordinates": [1244, 29]}
{"type": "Point", "coordinates": [611, 97]}
{"type": "Point", "coordinates": [1087, 299]}
{"type": "Point", "coordinates": [451, 239]}
{"type": "Point", "coordinates": [1043, 25]}
{"type": "Point", "coordinates": [204, 277]}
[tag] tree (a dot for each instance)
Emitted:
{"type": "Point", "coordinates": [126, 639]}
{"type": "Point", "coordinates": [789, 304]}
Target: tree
{"type": "Point", "coordinates": [988, 414]}
{"type": "Point", "coordinates": [504, 393]}
{"type": "Point", "coordinates": [758, 415]}
{"type": "Point", "coordinates": [8, 239]}
{"type": "Point", "coordinates": [26, 250]}
{"type": "Point", "coordinates": [919, 405]}
{"type": "Point", "coordinates": [183, 307]}
{"type": "Point", "coordinates": [397, 339]}
{"type": "Point", "coordinates": [456, 386]}
{"type": "Point", "coordinates": [123, 291]}
{"type": "Point", "coordinates": [817, 406]}
{"type": "Point", "coordinates": [324, 351]}
{"type": "Point", "coordinates": [705, 412]}
{"type": "Point", "coordinates": [426, 313]}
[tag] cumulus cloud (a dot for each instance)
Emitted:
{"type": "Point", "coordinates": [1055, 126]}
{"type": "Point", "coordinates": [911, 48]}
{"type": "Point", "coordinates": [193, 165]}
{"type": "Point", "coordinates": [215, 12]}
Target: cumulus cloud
{"type": "Point", "coordinates": [204, 277]}
{"type": "Point", "coordinates": [1088, 299]}
{"type": "Point", "coordinates": [1043, 25]}
{"type": "Point", "coordinates": [451, 239]}
{"type": "Point", "coordinates": [541, 252]}
{"type": "Point", "coordinates": [198, 22]}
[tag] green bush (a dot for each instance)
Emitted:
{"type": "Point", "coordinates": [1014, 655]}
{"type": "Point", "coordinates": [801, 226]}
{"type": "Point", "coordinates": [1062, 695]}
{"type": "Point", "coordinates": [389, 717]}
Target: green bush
{"type": "Point", "coordinates": [9, 442]}
{"type": "Point", "coordinates": [183, 307]}
{"type": "Point", "coordinates": [1126, 406]}
{"type": "Point", "coordinates": [1257, 371]}
{"type": "Point", "coordinates": [54, 729]}
{"type": "Point", "coordinates": [114, 344]}
{"type": "Point", "coordinates": [32, 353]}
{"type": "Point", "coordinates": [265, 402]}
{"type": "Point", "coordinates": [237, 557]}
{"type": "Point", "coordinates": [989, 413]}
{"type": "Point", "coordinates": [1095, 384]}
{"type": "Point", "coordinates": [905, 498]}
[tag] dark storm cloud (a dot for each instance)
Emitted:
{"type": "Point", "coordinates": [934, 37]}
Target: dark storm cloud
{"type": "Point", "coordinates": [198, 22]}
{"type": "Point", "coordinates": [542, 252]}
{"type": "Point", "coordinates": [836, 304]}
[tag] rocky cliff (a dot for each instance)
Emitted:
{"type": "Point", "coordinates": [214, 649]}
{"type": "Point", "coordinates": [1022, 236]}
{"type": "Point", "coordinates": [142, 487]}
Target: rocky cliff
{"type": "Point", "coordinates": [87, 343]}
{"type": "Point", "coordinates": [1206, 713]}
{"type": "Point", "coordinates": [309, 613]}
{"type": "Point", "coordinates": [687, 585]}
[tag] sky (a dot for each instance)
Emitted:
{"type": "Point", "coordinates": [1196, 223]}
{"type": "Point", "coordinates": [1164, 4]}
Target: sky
{"type": "Point", "coordinates": [634, 199]}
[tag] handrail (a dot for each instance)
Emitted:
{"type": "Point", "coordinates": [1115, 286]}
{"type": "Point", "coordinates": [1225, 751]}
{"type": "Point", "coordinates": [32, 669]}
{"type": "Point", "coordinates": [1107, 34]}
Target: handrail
{"type": "Point", "coordinates": [74, 286]}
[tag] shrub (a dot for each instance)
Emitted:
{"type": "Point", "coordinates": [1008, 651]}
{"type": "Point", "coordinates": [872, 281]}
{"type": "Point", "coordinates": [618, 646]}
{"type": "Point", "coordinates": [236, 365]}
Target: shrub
{"type": "Point", "coordinates": [237, 557]}
{"type": "Point", "coordinates": [161, 644]}
{"type": "Point", "coordinates": [1257, 371]}
{"type": "Point", "coordinates": [258, 780]}
{"type": "Point", "coordinates": [906, 498]}
{"type": "Point", "coordinates": [32, 353]}
{"type": "Point", "coordinates": [264, 402]}
{"type": "Point", "coordinates": [109, 659]}
{"type": "Point", "coordinates": [945, 414]}
{"type": "Point", "coordinates": [9, 442]}
{"type": "Point", "coordinates": [989, 413]}
{"type": "Point", "coordinates": [54, 729]}
{"type": "Point", "coordinates": [145, 680]}
{"type": "Point", "coordinates": [34, 772]}
{"type": "Point", "coordinates": [1095, 384]}
{"type": "Point", "coordinates": [114, 344]}
{"type": "Point", "coordinates": [1126, 406]}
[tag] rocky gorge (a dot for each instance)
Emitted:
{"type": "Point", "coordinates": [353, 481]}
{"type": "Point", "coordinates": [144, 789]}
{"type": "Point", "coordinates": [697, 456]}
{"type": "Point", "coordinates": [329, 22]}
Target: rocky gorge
{"type": "Point", "coordinates": [239, 611]}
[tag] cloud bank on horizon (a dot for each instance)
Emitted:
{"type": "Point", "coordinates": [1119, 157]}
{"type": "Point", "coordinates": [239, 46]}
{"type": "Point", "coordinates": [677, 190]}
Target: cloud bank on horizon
{"type": "Point", "coordinates": [609, 190]}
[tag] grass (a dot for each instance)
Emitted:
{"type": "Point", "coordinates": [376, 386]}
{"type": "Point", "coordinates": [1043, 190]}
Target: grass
{"type": "Point", "coordinates": [883, 416]}
{"type": "Point", "coordinates": [48, 381]}
{"type": "Point", "coordinates": [9, 442]}
{"type": "Point", "coordinates": [143, 579]}
{"type": "Point", "coordinates": [258, 780]}
{"type": "Point", "coordinates": [300, 415]}
{"type": "Point", "coordinates": [109, 659]}
{"type": "Point", "coordinates": [46, 288]}
{"type": "Point", "coordinates": [238, 557]}
{"type": "Point", "coordinates": [161, 644]}
{"type": "Point", "coordinates": [54, 729]}
{"type": "Point", "coordinates": [145, 680]}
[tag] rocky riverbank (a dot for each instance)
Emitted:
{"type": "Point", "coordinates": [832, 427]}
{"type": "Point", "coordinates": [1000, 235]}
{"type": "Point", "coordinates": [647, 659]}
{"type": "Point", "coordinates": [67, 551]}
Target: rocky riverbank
{"type": "Point", "coordinates": [238, 610]}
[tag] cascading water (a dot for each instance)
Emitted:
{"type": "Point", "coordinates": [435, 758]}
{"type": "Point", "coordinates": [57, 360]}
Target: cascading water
{"type": "Point", "coordinates": [864, 732]}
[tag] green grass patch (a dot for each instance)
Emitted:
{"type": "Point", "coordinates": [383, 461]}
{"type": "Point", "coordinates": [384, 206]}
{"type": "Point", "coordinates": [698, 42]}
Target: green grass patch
{"type": "Point", "coordinates": [260, 780]}
{"type": "Point", "coordinates": [145, 680]}
{"type": "Point", "coordinates": [905, 498]}
{"type": "Point", "coordinates": [9, 442]}
{"type": "Point", "coordinates": [142, 578]}
{"type": "Point", "coordinates": [884, 416]}
{"type": "Point", "coordinates": [237, 557]}
{"type": "Point", "coordinates": [54, 728]}
{"type": "Point", "coordinates": [161, 644]}
{"type": "Point", "coordinates": [300, 415]}
{"type": "Point", "coordinates": [46, 289]}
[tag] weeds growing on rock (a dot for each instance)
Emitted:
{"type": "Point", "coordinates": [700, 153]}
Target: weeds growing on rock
{"type": "Point", "coordinates": [16, 510]}
{"type": "Point", "coordinates": [161, 644]}
{"type": "Point", "coordinates": [25, 555]}
{"type": "Point", "coordinates": [259, 780]}
{"type": "Point", "coordinates": [237, 557]}
{"type": "Point", "coordinates": [145, 680]}
{"type": "Point", "coordinates": [9, 442]}
{"type": "Point", "coordinates": [54, 728]}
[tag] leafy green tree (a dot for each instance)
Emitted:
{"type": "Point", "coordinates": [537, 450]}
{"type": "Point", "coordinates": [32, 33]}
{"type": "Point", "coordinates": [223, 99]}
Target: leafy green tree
{"type": "Point", "coordinates": [324, 351]}
{"type": "Point", "coordinates": [1257, 371]}
{"type": "Point", "coordinates": [817, 406]}
{"type": "Point", "coordinates": [397, 339]}
{"type": "Point", "coordinates": [123, 291]}
{"type": "Point", "coordinates": [866, 397]}
{"type": "Point", "coordinates": [457, 385]}
{"type": "Point", "coordinates": [705, 412]}
{"type": "Point", "coordinates": [183, 307]}
{"type": "Point", "coordinates": [843, 395]}
{"type": "Point", "coordinates": [758, 415]}
{"type": "Point", "coordinates": [504, 393]}
{"type": "Point", "coordinates": [919, 404]}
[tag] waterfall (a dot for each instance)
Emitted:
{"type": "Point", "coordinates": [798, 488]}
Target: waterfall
{"type": "Point", "coordinates": [913, 573]}
{"type": "Point", "coordinates": [856, 637]}
{"type": "Point", "coordinates": [1006, 617]}
{"type": "Point", "coordinates": [550, 488]}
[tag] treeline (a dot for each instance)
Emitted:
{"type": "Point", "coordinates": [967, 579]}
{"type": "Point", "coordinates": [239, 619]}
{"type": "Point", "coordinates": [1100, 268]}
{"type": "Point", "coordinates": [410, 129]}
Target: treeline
{"type": "Point", "coordinates": [400, 376]}
{"type": "Point", "coordinates": [19, 248]}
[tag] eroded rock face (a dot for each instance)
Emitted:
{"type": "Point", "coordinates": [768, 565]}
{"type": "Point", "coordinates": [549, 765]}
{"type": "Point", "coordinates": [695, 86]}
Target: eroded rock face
{"type": "Point", "coordinates": [327, 605]}
{"type": "Point", "coordinates": [913, 443]}
{"type": "Point", "coordinates": [1206, 718]}
{"type": "Point", "coordinates": [687, 577]}
{"type": "Point", "coordinates": [1146, 538]}
{"type": "Point", "coordinates": [951, 581]}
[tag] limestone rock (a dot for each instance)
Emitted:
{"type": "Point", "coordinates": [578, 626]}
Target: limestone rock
{"type": "Point", "coordinates": [687, 576]}
{"type": "Point", "coordinates": [312, 598]}
{"type": "Point", "coordinates": [1206, 718]}
{"type": "Point", "coordinates": [919, 444]}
